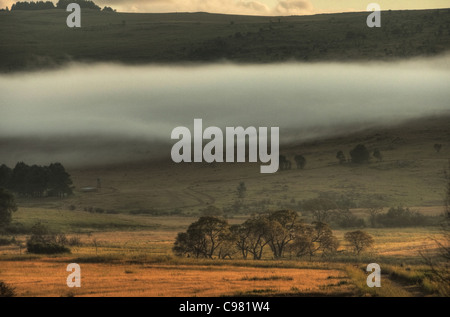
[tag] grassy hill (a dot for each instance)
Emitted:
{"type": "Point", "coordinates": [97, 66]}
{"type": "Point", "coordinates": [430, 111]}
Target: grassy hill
{"type": "Point", "coordinates": [39, 39]}
{"type": "Point", "coordinates": [411, 174]}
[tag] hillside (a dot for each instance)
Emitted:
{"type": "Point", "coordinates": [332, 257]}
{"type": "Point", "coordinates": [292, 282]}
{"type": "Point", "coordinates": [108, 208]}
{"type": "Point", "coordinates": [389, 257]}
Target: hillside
{"type": "Point", "coordinates": [41, 39]}
{"type": "Point", "coordinates": [411, 174]}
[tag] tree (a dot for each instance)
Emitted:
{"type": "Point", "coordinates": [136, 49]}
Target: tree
{"type": "Point", "coordinates": [321, 208]}
{"type": "Point", "coordinates": [360, 154]}
{"type": "Point", "coordinates": [346, 219]}
{"type": "Point", "coordinates": [108, 9]}
{"type": "Point", "coordinates": [59, 182]}
{"type": "Point", "coordinates": [241, 190]}
{"type": "Point", "coordinates": [284, 163]}
{"type": "Point", "coordinates": [19, 179]}
{"type": "Point", "coordinates": [84, 4]}
{"type": "Point", "coordinates": [341, 157]}
{"type": "Point", "coordinates": [401, 217]}
{"type": "Point", "coordinates": [7, 207]}
{"type": "Point", "coordinates": [250, 236]}
{"type": "Point", "coordinates": [437, 147]}
{"type": "Point", "coordinates": [203, 238]}
{"type": "Point", "coordinates": [36, 181]}
{"type": "Point", "coordinates": [280, 230]}
{"type": "Point", "coordinates": [359, 240]}
{"type": "Point", "coordinates": [300, 161]}
{"type": "Point", "coordinates": [313, 238]}
{"type": "Point", "coordinates": [377, 154]}
{"type": "Point", "coordinates": [5, 176]}
{"type": "Point", "coordinates": [39, 5]}
{"type": "Point", "coordinates": [374, 208]}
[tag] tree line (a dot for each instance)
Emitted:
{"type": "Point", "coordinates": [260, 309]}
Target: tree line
{"type": "Point", "coordinates": [280, 231]}
{"type": "Point", "coordinates": [61, 4]}
{"type": "Point", "coordinates": [35, 180]}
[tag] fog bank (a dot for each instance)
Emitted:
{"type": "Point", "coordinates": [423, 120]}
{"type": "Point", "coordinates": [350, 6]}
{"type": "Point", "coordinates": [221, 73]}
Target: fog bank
{"type": "Point", "coordinates": [109, 113]}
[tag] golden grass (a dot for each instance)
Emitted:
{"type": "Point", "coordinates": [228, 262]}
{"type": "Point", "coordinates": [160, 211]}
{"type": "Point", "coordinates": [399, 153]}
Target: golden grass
{"type": "Point", "coordinates": [46, 278]}
{"type": "Point", "coordinates": [399, 242]}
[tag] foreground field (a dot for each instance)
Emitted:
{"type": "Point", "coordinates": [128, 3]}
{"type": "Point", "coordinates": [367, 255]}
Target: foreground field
{"type": "Point", "coordinates": [139, 262]}
{"type": "Point", "coordinates": [48, 279]}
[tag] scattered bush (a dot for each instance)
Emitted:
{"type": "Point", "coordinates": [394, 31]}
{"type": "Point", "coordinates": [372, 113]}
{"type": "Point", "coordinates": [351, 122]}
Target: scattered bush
{"type": "Point", "coordinates": [6, 290]}
{"type": "Point", "coordinates": [360, 154]}
{"type": "Point", "coordinates": [345, 219]}
{"type": "Point", "coordinates": [6, 241]}
{"type": "Point", "coordinates": [74, 242]}
{"type": "Point", "coordinates": [401, 217]}
{"type": "Point", "coordinates": [42, 241]}
{"type": "Point", "coordinates": [46, 248]}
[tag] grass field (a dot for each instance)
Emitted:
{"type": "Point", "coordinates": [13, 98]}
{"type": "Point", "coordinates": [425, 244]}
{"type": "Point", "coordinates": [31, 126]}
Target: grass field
{"type": "Point", "coordinates": [45, 279]}
{"type": "Point", "coordinates": [139, 262]}
{"type": "Point", "coordinates": [411, 174]}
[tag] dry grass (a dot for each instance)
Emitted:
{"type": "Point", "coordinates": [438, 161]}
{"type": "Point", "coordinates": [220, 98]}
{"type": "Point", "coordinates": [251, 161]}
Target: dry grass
{"type": "Point", "coordinates": [45, 278]}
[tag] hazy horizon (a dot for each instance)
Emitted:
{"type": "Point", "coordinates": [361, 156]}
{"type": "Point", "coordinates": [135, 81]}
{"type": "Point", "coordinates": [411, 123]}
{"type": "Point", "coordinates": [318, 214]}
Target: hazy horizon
{"type": "Point", "coordinates": [258, 7]}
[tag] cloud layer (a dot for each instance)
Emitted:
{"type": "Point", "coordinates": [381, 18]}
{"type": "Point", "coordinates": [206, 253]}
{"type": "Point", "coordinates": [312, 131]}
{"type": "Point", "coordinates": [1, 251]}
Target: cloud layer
{"type": "Point", "coordinates": [88, 111]}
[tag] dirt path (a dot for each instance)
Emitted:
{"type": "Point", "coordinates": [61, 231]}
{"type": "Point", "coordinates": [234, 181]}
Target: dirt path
{"type": "Point", "coordinates": [413, 290]}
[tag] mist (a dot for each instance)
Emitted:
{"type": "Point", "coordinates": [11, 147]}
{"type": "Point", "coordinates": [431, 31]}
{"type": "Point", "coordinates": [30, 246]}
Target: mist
{"type": "Point", "coordinates": [108, 113]}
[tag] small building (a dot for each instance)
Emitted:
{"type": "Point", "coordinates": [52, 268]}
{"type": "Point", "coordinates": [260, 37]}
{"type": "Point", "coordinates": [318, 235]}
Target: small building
{"type": "Point", "coordinates": [89, 189]}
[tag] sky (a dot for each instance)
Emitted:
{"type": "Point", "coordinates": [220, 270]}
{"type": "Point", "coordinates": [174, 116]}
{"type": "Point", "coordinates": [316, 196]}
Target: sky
{"type": "Point", "coordinates": [261, 7]}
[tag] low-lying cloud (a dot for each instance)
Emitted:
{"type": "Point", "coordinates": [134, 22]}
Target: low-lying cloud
{"type": "Point", "coordinates": [107, 113]}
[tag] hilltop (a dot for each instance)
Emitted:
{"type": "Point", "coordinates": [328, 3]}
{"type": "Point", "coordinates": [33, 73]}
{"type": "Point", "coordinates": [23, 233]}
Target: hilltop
{"type": "Point", "coordinates": [41, 39]}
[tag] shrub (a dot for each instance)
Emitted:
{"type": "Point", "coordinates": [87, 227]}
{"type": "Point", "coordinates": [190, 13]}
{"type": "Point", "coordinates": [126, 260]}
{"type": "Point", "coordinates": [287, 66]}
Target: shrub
{"type": "Point", "coordinates": [345, 219]}
{"type": "Point", "coordinates": [360, 154]}
{"type": "Point", "coordinates": [42, 241]}
{"type": "Point", "coordinates": [6, 241]}
{"type": "Point", "coordinates": [46, 248]}
{"type": "Point", "coordinates": [74, 241]}
{"type": "Point", "coordinates": [401, 217]}
{"type": "Point", "coordinates": [6, 290]}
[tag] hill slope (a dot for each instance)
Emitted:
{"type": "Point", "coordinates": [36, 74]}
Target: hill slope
{"type": "Point", "coordinates": [411, 174]}
{"type": "Point", "coordinates": [39, 39]}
